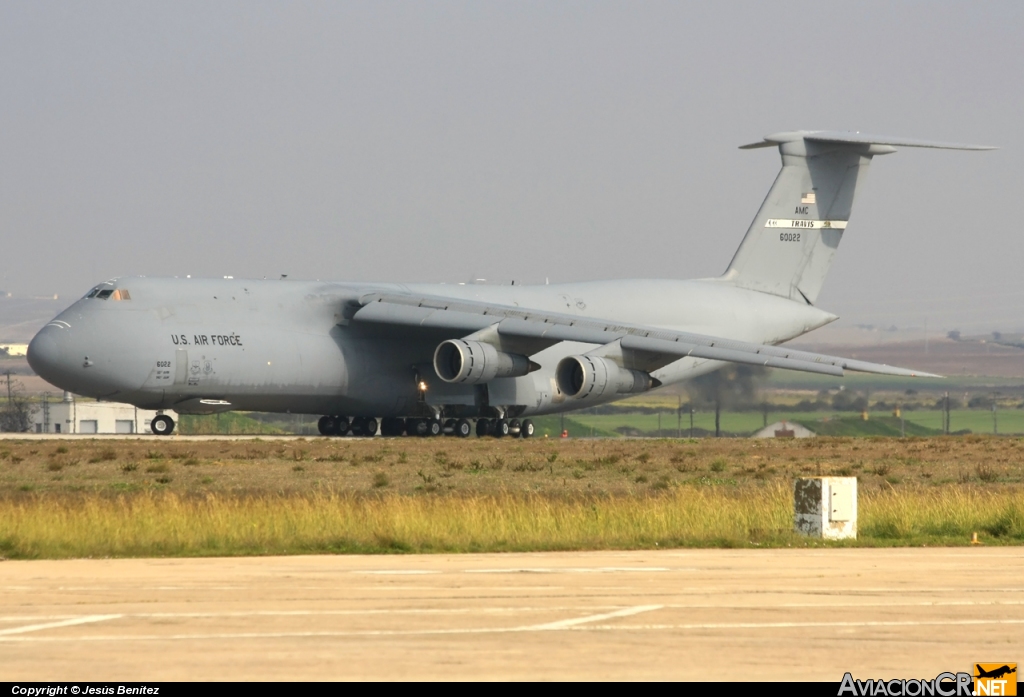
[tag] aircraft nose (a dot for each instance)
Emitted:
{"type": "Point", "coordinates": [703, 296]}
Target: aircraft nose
{"type": "Point", "coordinates": [47, 354]}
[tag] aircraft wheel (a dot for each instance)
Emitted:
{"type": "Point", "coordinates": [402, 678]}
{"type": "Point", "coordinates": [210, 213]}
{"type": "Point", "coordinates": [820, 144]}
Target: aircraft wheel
{"type": "Point", "coordinates": [356, 426]}
{"type": "Point", "coordinates": [514, 428]}
{"type": "Point", "coordinates": [327, 425]}
{"type": "Point", "coordinates": [500, 428]}
{"type": "Point", "coordinates": [341, 426]}
{"type": "Point", "coordinates": [416, 427]}
{"type": "Point", "coordinates": [369, 426]}
{"type": "Point", "coordinates": [483, 427]}
{"type": "Point", "coordinates": [162, 425]}
{"type": "Point", "coordinates": [526, 430]}
{"type": "Point", "coordinates": [463, 428]}
{"type": "Point", "coordinates": [434, 427]}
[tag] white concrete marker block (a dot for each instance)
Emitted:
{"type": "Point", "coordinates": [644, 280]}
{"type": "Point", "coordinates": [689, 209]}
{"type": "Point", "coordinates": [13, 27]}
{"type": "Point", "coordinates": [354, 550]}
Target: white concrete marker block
{"type": "Point", "coordinates": [826, 507]}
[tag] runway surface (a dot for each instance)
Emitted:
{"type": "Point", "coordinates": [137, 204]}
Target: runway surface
{"type": "Point", "coordinates": [675, 614]}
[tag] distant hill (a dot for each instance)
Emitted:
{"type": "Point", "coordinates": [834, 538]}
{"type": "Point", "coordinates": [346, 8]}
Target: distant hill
{"type": "Point", "coordinates": [942, 356]}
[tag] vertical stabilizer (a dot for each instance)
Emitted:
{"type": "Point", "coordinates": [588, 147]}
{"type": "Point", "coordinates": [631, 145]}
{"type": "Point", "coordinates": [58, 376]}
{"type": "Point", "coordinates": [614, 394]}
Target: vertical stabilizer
{"type": "Point", "coordinates": [789, 247]}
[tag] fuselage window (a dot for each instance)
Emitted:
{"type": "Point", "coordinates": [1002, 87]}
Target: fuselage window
{"type": "Point", "coordinates": [104, 294]}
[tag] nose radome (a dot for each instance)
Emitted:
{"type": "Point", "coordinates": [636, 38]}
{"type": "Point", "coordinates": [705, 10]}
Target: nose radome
{"type": "Point", "coordinates": [46, 354]}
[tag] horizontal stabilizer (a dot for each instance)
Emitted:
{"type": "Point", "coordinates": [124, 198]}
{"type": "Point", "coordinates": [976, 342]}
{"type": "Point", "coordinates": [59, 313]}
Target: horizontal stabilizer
{"type": "Point", "coordinates": [856, 138]}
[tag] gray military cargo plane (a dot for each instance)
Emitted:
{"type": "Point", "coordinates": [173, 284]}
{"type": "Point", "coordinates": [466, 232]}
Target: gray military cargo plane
{"type": "Point", "coordinates": [432, 359]}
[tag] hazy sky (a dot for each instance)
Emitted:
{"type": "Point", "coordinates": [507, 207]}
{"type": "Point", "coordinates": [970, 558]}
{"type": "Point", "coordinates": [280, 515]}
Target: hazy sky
{"type": "Point", "coordinates": [441, 141]}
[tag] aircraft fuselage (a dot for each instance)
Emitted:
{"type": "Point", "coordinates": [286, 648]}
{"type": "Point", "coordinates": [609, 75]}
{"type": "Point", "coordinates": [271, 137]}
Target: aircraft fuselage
{"type": "Point", "coordinates": [290, 346]}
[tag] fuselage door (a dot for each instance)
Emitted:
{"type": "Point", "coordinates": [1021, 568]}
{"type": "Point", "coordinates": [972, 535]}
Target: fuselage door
{"type": "Point", "coordinates": [180, 366]}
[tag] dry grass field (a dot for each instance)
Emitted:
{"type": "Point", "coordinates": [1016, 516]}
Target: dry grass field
{"type": "Point", "coordinates": [157, 497]}
{"type": "Point", "coordinates": [550, 467]}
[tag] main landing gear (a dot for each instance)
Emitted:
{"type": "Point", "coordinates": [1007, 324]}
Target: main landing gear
{"type": "Point", "coordinates": [499, 428]}
{"type": "Point", "coordinates": [423, 427]}
{"type": "Point", "coordinates": [343, 426]}
{"type": "Point", "coordinates": [162, 425]}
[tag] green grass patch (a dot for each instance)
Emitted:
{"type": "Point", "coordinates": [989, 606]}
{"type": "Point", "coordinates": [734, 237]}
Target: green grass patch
{"type": "Point", "coordinates": [229, 423]}
{"type": "Point", "coordinates": [918, 422]}
{"type": "Point", "coordinates": [888, 426]}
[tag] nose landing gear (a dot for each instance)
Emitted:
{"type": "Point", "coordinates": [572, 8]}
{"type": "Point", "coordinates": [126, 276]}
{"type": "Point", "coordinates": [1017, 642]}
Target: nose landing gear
{"type": "Point", "coordinates": [162, 425]}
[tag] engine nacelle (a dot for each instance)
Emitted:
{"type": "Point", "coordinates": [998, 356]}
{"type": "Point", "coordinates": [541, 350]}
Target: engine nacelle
{"type": "Point", "coordinates": [474, 362]}
{"type": "Point", "coordinates": [580, 377]}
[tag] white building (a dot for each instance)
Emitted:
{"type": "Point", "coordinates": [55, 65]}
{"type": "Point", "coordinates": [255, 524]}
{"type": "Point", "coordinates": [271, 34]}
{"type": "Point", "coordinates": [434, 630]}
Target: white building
{"type": "Point", "coordinates": [72, 416]}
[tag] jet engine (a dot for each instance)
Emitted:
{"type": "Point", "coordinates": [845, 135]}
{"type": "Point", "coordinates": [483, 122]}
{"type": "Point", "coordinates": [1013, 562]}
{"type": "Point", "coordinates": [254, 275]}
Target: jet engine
{"type": "Point", "coordinates": [580, 377]}
{"type": "Point", "coordinates": [474, 362]}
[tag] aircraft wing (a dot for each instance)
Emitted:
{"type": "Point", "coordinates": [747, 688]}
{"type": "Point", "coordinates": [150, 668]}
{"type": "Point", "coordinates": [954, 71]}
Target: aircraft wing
{"type": "Point", "coordinates": [651, 346]}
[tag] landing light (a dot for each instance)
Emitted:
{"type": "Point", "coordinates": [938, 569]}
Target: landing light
{"type": "Point", "coordinates": [423, 386]}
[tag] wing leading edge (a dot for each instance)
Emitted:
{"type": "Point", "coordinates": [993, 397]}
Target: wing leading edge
{"type": "Point", "coordinates": [541, 329]}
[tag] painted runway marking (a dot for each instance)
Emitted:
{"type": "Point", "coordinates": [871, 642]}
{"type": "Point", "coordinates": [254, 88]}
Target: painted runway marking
{"type": "Point", "coordinates": [549, 626]}
{"type": "Point", "coordinates": [331, 613]}
{"type": "Point", "coordinates": [53, 625]}
{"type": "Point", "coordinates": [565, 624]}
{"type": "Point", "coordinates": [500, 630]}
{"type": "Point", "coordinates": [572, 570]}
{"type": "Point", "coordinates": [499, 610]}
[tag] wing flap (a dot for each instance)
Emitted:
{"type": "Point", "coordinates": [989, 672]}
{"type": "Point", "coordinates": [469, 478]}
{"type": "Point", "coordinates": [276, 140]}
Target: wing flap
{"type": "Point", "coordinates": [682, 349]}
{"type": "Point", "coordinates": [768, 356]}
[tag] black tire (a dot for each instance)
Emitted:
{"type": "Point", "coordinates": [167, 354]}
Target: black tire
{"type": "Point", "coordinates": [483, 427]}
{"type": "Point", "coordinates": [341, 425]}
{"type": "Point", "coordinates": [463, 428]}
{"type": "Point", "coordinates": [434, 427]}
{"type": "Point", "coordinates": [513, 428]}
{"type": "Point", "coordinates": [356, 426]}
{"type": "Point", "coordinates": [500, 428]}
{"type": "Point", "coordinates": [327, 425]}
{"type": "Point", "coordinates": [449, 427]}
{"type": "Point", "coordinates": [527, 429]}
{"type": "Point", "coordinates": [369, 426]}
{"type": "Point", "coordinates": [162, 425]}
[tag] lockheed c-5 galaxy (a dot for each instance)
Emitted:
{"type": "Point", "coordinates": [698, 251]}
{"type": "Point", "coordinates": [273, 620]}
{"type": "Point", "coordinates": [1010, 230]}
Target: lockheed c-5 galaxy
{"type": "Point", "coordinates": [431, 359]}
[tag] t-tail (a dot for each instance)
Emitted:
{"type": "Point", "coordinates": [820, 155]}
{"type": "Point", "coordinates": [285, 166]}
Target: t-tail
{"type": "Point", "coordinates": [790, 245]}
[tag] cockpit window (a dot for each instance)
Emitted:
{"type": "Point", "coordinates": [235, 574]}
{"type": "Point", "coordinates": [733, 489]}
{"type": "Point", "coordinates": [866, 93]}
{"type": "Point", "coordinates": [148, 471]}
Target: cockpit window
{"type": "Point", "coordinates": [101, 293]}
